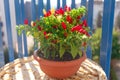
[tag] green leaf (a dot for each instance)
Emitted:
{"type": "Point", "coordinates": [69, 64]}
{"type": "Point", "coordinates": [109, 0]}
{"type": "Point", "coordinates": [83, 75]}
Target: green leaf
{"type": "Point", "coordinates": [19, 32]}
{"type": "Point", "coordinates": [53, 53]}
{"type": "Point", "coordinates": [61, 51]}
{"type": "Point", "coordinates": [17, 27]}
{"type": "Point", "coordinates": [74, 50]}
{"type": "Point", "coordinates": [80, 53]}
{"type": "Point", "coordinates": [28, 33]}
{"type": "Point", "coordinates": [46, 52]}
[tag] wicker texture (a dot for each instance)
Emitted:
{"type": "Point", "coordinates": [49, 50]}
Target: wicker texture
{"type": "Point", "coordinates": [28, 69]}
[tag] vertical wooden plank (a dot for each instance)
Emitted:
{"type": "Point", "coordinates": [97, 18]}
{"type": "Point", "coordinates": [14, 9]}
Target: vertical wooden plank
{"type": "Point", "coordinates": [33, 6]}
{"type": "Point", "coordinates": [2, 62]}
{"type": "Point", "coordinates": [18, 21]}
{"type": "Point", "coordinates": [83, 2]}
{"type": "Point", "coordinates": [106, 41]}
{"type": "Point", "coordinates": [40, 8]}
{"type": "Point", "coordinates": [90, 24]}
{"type": "Point", "coordinates": [58, 4]}
{"type": "Point", "coordinates": [73, 4]}
{"type": "Point", "coordinates": [90, 14]}
{"type": "Point", "coordinates": [48, 5]}
{"type": "Point", "coordinates": [63, 3]}
{"type": "Point", "coordinates": [9, 31]}
{"type": "Point", "coordinates": [33, 10]}
{"type": "Point", "coordinates": [24, 36]}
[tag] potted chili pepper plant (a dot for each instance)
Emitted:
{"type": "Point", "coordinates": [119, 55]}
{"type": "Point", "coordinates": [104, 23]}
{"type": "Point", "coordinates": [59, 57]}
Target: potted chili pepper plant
{"type": "Point", "coordinates": [63, 35]}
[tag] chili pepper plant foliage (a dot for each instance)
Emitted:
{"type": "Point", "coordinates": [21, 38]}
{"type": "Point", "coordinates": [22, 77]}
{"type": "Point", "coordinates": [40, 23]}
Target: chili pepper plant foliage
{"type": "Point", "coordinates": [60, 32]}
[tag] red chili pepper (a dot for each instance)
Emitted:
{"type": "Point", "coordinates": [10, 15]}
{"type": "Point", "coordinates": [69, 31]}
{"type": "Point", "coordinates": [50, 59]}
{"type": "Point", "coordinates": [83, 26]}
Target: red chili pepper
{"type": "Point", "coordinates": [65, 34]}
{"type": "Point", "coordinates": [84, 23]}
{"type": "Point", "coordinates": [47, 14]}
{"type": "Point", "coordinates": [59, 11]}
{"type": "Point", "coordinates": [45, 33]}
{"type": "Point", "coordinates": [63, 25]}
{"type": "Point", "coordinates": [26, 21]}
{"type": "Point", "coordinates": [67, 8]}
{"type": "Point", "coordinates": [34, 24]}
{"type": "Point", "coordinates": [54, 27]}
{"type": "Point", "coordinates": [76, 28]}
{"type": "Point", "coordinates": [39, 28]}
{"type": "Point", "coordinates": [84, 44]}
{"type": "Point", "coordinates": [69, 19]}
{"type": "Point", "coordinates": [78, 17]}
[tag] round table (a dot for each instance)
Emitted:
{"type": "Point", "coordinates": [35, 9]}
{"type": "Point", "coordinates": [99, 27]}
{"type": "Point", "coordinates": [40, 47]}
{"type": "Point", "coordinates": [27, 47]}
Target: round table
{"type": "Point", "coordinates": [28, 69]}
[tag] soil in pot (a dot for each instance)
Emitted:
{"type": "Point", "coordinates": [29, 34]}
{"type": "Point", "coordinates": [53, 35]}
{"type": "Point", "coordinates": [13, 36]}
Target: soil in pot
{"type": "Point", "coordinates": [66, 57]}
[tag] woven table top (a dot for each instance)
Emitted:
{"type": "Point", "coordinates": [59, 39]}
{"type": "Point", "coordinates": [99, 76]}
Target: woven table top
{"type": "Point", "coordinates": [28, 69]}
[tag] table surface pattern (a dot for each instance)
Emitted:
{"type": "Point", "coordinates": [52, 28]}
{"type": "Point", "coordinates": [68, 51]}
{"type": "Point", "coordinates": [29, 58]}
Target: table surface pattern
{"type": "Point", "coordinates": [28, 69]}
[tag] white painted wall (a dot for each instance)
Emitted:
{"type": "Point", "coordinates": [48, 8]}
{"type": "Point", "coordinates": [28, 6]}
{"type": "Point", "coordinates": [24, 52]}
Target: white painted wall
{"type": "Point", "coordinates": [3, 20]}
{"type": "Point", "coordinates": [13, 21]}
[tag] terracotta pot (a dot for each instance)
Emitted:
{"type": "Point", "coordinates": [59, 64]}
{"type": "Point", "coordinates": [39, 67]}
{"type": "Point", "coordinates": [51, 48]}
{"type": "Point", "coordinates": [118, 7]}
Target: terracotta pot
{"type": "Point", "coordinates": [59, 69]}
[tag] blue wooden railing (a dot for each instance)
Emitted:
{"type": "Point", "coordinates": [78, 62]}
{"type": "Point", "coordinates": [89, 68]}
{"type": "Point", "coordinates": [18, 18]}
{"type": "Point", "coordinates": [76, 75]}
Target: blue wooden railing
{"type": "Point", "coordinates": [106, 40]}
{"type": "Point", "coordinates": [107, 27]}
{"type": "Point", "coordinates": [1, 45]}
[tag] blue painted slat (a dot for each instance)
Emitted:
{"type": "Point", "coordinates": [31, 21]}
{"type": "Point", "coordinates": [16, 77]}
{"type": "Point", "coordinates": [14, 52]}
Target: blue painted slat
{"type": "Point", "coordinates": [25, 44]}
{"type": "Point", "coordinates": [40, 8]}
{"type": "Point", "coordinates": [106, 41]}
{"type": "Point", "coordinates": [9, 31]}
{"type": "Point", "coordinates": [83, 2]}
{"type": "Point", "coordinates": [73, 4]}
{"type": "Point", "coordinates": [63, 3]}
{"type": "Point", "coordinates": [33, 10]}
{"type": "Point", "coordinates": [24, 36]}
{"type": "Point", "coordinates": [33, 19]}
{"type": "Point", "coordinates": [1, 24]}
{"type": "Point", "coordinates": [58, 4]}
{"type": "Point", "coordinates": [90, 14]}
{"type": "Point", "coordinates": [18, 21]}
{"type": "Point", "coordinates": [22, 11]}
{"type": "Point", "coordinates": [90, 23]}
{"type": "Point", "coordinates": [48, 5]}
{"type": "Point", "coordinates": [2, 62]}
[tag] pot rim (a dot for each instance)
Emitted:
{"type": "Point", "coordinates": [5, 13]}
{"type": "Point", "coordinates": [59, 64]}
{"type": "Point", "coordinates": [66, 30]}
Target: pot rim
{"type": "Point", "coordinates": [83, 57]}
